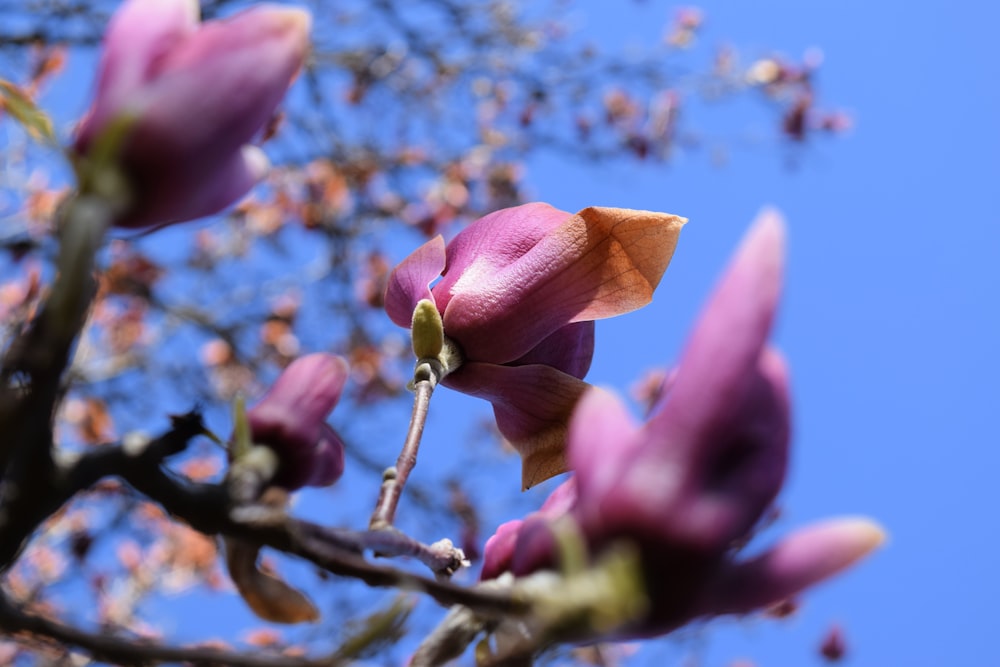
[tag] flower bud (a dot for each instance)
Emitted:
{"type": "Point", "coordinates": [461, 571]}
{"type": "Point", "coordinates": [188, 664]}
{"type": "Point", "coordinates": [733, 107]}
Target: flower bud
{"type": "Point", "coordinates": [177, 103]}
{"type": "Point", "coordinates": [291, 420]}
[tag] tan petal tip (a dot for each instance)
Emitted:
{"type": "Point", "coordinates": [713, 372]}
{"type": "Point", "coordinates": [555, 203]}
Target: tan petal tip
{"type": "Point", "coordinates": [868, 534]}
{"type": "Point", "coordinates": [539, 466]}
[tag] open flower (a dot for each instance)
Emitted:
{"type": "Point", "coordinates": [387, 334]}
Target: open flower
{"type": "Point", "coordinates": [689, 486]}
{"type": "Point", "coordinates": [291, 420]}
{"type": "Point", "coordinates": [518, 291]}
{"type": "Point", "coordinates": [188, 99]}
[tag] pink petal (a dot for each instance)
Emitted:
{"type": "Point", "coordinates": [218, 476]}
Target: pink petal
{"type": "Point", "coordinates": [194, 98]}
{"type": "Point", "coordinates": [510, 538]}
{"type": "Point", "coordinates": [291, 420]}
{"type": "Point", "coordinates": [139, 35]}
{"type": "Point", "coordinates": [797, 562]}
{"type": "Point", "coordinates": [603, 439]}
{"type": "Point", "coordinates": [499, 550]}
{"type": "Point", "coordinates": [493, 242]}
{"type": "Point", "coordinates": [723, 349]}
{"type": "Point", "coordinates": [409, 282]}
{"type": "Point", "coordinates": [559, 502]}
{"type": "Point", "coordinates": [229, 76]}
{"type": "Point", "coordinates": [732, 475]}
{"type": "Point", "coordinates": [569, 349]}
{"type": "Point", "coordinates": [327, 464]}
{"type": "Point", "coordinates": [595, 264]}
{"type": "Point", "coordinates": [165, 197]}
{"type": "Point", "coordinates": [532, 405]}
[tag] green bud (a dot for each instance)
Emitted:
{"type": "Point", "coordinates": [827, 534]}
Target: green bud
{"type": "Point", "coordinates": [427, 330]}
{"type": "Point", "coordinates": [570, 545]}
{"type": "Point", "coordinates": [241, 429]}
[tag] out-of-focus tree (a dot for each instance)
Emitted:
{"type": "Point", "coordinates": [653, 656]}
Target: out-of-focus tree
{"type": "Point", "coordinates": [409, 119]}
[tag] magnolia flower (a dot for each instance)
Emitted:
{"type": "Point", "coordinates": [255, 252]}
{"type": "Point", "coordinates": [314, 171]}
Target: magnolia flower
{"type": "Point", "coordinates": [184, 100]}
{"type": "Point", "coordinates": [293, 446]}
{"type": "Point", "coordinates": [291, 420]}
{"type": "Point", "coordinates": [518, 291]}
{"type": "Point", "coordinates": [689, 486]}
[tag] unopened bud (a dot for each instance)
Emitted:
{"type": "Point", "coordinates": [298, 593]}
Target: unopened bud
{"type": "Point", "coordinates": [427, 330]}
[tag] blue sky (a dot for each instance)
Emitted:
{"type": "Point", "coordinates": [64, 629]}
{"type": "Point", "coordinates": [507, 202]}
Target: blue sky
{"type": "Point", "coordinates": [890, 318]}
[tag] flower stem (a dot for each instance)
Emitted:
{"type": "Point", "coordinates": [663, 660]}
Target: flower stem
{"type": "Point", "coordinates": [394, 479]}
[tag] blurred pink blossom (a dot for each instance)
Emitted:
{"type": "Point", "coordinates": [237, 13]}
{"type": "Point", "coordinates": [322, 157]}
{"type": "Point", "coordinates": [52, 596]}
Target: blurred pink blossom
{"type": "Point", "coordinates": [190, 97]}
{"type": "Point", "coordinates": [689, 486]}
{"type": "Point", "coordinates": [291, 420]}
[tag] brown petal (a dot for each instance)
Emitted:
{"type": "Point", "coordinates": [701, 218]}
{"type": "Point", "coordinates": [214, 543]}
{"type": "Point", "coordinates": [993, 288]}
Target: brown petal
{"type": "Point", "coordinates": [631, 249]}
{"type": "Point", "coordinates": [532, 405]}
{"type": "Point", "coordinates": [268, 596]}
{"type": "Point", "coordinates": [598, 263]}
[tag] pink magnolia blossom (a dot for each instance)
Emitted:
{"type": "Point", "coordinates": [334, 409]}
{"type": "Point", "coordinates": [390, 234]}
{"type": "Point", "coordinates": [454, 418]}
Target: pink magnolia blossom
{"type": "Point", "coordinates": [518, 291]}
{"type": "Point", "coordinates": [291, 420]}
{"type": "Point", "coordinates": [190, 97]}
{"type": "Point", "coordinates": [689, 486]}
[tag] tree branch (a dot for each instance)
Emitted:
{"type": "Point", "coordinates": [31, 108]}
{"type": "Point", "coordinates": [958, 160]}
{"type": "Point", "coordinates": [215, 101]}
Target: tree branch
{"type": "Point", "coordinates": [208, 509]}
{"type": "Point", "coordinates": [137, 652]}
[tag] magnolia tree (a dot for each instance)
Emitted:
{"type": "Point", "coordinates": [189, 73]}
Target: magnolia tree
{"type": "Point", "coordinates": [644, 535]}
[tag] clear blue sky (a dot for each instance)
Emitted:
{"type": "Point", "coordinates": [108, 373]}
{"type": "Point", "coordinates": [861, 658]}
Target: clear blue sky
{"type": "Point", "coordinates": [890, 318]}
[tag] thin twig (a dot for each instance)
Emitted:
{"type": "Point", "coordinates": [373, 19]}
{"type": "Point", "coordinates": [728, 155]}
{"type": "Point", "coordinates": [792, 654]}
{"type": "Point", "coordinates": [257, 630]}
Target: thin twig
{"type": "Point", "coordinates": [442, 557]}
{"type": "Point", "coordinates": [395, 478]}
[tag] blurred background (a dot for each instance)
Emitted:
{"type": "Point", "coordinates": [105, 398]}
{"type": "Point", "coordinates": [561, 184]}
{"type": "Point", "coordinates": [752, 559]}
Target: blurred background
{"type": "Point", "coordinates": [871, 127]}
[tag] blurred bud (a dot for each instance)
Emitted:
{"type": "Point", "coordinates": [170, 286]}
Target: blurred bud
{"type": "Point", "coordinates": [833, 647]}
{"type": "Point", "coordinates": [291, 420]}
{"type": "Point", "coordinates": [177, 103]}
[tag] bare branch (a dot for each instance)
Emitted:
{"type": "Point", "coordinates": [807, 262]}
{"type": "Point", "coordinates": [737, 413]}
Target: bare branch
{"type": "Point", "coordinates": [136, 651]}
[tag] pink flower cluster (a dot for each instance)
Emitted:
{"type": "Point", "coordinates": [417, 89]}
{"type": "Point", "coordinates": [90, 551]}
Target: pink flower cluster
{"type": "Point", "coordinates": [689, 486]}
{"type": "Point", "coordinates": [178, 104]}
{"type": "Point", "coordinates": [518, 293]}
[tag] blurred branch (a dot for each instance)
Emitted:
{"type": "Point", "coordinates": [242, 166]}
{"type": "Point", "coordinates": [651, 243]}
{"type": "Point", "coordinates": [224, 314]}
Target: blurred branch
{"type": "Point", "coordinates": [25, 511]}
{"type": "Point", "coordinates": [31, 374]}
{"type": "Point", "coordinates": [15, 621]}
{"type": "Point", "coordinates": [207, 508]}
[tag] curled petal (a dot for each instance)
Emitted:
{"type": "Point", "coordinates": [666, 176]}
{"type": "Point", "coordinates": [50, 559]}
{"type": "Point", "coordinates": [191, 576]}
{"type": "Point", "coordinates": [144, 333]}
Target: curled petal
{"type": "Point", "coordinates": [598, 263]}
{"type": "Point", "coordinates": [267, 595]}
{"type": "Point", "coordinates": [532, 405]}
{"type": "Point", "coordinates": [327, 463]}
{"type": "Point", "coordinates": [493, 242]}
{"type": "Point", "coordinates": [409, 283]}
{"type": "Point", "coordinates": [569, 349]}
{"type": "Point", "coordinates": [797, 562]}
